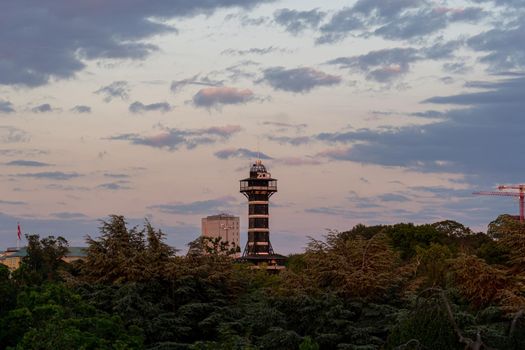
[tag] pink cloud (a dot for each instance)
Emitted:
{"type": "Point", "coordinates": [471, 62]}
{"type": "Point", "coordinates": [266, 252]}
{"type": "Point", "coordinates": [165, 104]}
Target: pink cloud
{"type": "Point", "coordinates": [216, 96]}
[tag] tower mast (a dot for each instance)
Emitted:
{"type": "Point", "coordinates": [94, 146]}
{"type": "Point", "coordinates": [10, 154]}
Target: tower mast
{"type": "Point", "coordinates": [258, 188]}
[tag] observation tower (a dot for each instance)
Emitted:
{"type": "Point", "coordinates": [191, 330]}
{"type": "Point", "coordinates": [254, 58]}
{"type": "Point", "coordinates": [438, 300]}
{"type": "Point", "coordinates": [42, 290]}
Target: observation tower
{"type": "Point", "coordinates": [258, 188]}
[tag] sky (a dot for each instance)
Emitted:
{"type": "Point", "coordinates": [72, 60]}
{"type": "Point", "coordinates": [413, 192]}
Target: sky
{"type": "Point", "coordinates": [367, 111]}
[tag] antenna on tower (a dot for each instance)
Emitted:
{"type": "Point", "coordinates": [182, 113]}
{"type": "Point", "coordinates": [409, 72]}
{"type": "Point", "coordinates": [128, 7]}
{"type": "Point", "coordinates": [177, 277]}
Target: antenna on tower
{"type": "Point", "coordinates": [258, 147]}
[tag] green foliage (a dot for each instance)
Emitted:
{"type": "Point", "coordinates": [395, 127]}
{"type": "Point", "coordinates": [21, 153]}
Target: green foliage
{"type": "Point", "coordinates": [407, 237]}
{"type": "Point", "coordinates": [452, 229]}
{"type": "Point", "coordinates": [43, 260]}
{"type": "Point", "coordinates": [433, 263]}
{"type": "Point", "coordinates": [427, 323]}
{"type": "Point", "coordinates": [7, 290]}
{"type": "Point", "coordinates": [352, 265]}
{"type": "Point", "coordinates": [308, 344]}
{"type": "Point", "coordinates": [504, 225]}
{"type": "Point", "coordinates": [493, 252]}
{"type": "Point", "coordinates": [404, 286]}
{"type": "Point", "coordinates": [123, 255]}
{"type": "Point", "coordinates": [212, 246]}
{"type": "Point", "coordinates": [54, 317]}
{"type": "Point", "coordinates": [296, 262]}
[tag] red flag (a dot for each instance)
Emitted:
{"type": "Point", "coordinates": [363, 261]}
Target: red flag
{"type": "Point", "coordinates": [19, 232]}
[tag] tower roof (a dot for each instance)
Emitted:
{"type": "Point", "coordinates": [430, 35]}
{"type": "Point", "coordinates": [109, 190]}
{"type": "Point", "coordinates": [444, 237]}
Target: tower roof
{"type": "Point", "coordinates": [258, 167]}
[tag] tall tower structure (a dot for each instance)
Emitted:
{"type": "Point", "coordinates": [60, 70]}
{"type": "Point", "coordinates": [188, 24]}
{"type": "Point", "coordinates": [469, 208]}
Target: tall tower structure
{"type": "Point", "coordinates": [258, 188]}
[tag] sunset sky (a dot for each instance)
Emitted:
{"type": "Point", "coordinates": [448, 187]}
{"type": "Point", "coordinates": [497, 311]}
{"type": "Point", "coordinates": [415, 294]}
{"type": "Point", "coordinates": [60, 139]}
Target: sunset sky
{"type": "Point", "coordinates": [368, 111]}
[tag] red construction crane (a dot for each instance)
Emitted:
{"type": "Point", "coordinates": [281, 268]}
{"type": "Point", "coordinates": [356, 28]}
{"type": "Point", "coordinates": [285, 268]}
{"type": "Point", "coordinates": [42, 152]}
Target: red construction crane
{"type": "Point", "coordinates": [520, 194]}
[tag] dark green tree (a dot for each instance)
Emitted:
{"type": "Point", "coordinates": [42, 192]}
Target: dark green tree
{"type": "Point", "coordinates": [123, 254]}
{"type": "Point", "coordinates": [43, 261]}
{"type": "Point", "coordinates": [7, 290]}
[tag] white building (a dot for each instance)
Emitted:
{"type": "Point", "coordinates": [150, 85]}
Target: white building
{"type": "Point", "coordinates": [224, 226]}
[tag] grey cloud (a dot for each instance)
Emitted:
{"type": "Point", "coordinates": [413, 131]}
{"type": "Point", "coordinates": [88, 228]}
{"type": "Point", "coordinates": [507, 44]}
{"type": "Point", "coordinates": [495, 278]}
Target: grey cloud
{"type": "Point", "coordinates": [456, 67]}
{"type": "Point", "coordinates": [428, 114]}
{"type": "Point", "coordinates": [246, 20]}
{"type": "Point", "coordinates": [22, 152]}
{"type": "Point", "coordinates": [299, 80]}
{"type": "Point", "coordinates": [411, 25]}
{"type": "Point", "coordinates": [385, 8]}
{"type": "Point", "coordinates": [389, 64]}
{"type": "Point", "coordinates": [81, 109]}
{"type": "Point", "coordinates": [339, 26]}
{"type": "Point", "coordinates": [64, 34]}
{"type": "Point", "coordinates": [441, 49]}
{"type": "Point", "coordinates": [9, 134]}
{"type": "Point", "coordinates": [216, 97]}
{"type": "Point", "coordinates": [361, 202]}
{"type": "Point", "coordinates": [178, 85]}
{"type": "Point", "coordinates": [292, 140]}
{"type": "Point", "coordinates": [43, 108]}
{"type": "Point", "coordinates": [511, 4]}
{"type": "Point", "coordinates": [478, 140]}
{"type": "Point", "coordinates": [256, 51]}
{"type": "Point", "coordinates": [240, 71]}
{"type": "Point", "coordinates": [297, 21]}
{"type": "Point", "coordinates": [115, 186]}
{"type": "Point", "coordinates": [441, 192]}
{"type": "Point", "coordinates": [12, 202]}
{"type": "Point", "coordinates": [28, 163]}
{"type": "Point", "coordinates": [116, 176]}
{"type": "Point", "coordinates": [501, 48]}
{"type": "Point", "coordinates": [117, 89]}
{"type": "Point", "coordinates": [393, 197]}
{"type": "Point", "coordinates": [139, 107]}
{"type": "Point", "coordinates": [68, 215]}
{"type": "Point", "coordinates": [6, 107]}
{"type": "Point", "coordinates": [504, 93]}
{"type": "Point", "coordinates": [51, 175]}
{"type": "Point", "coordinates": [173, 139]}
{"type": "Point", "coordinates": [240, 153]}
{"type": "Point", "coordinates": [364, 13]}
{"type": "Point", "coordinates": [398, 20]}
{"type": "Point", "coordinates": [426, 20]}
{"type": "Point", "coordinates": [281, 126]}
{"type": "Point", "coordinates": [469, 14]}
{"type": "Point", "coordinates": [381, 65]}
{"type": "Point", "coordinates": [61, 187]}
{"type": "Point", "coordinates": [199, 207]}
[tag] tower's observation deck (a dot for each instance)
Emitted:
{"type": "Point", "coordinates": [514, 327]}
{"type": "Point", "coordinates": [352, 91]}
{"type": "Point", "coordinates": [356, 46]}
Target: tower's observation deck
{"type": "Point", "coordinates": [258, 188]}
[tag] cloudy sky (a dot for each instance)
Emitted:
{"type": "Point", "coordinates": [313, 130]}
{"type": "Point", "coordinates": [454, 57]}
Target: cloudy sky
{"type": "Point", "coordinates": [368, 111]}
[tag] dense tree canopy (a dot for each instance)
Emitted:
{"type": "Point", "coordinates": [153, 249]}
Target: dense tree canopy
{"type": "Point", "coordinates": [403, 286]}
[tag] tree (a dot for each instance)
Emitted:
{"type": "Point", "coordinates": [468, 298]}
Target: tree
{"type": "Point", "coordinates": [204, 245]}
{"type": "Point", "coordinates": [503, 225]}
{"type": "Point", "coordinates": [43, 260]}
{"type": "Point", "coordinates": [54, 317]}
{"type": "Point", "coordinates": [122, 255]}
{"type": "Point", "coordinates": [406, 237]}
{"type": "Point", "coordinates": [352, 265]}
{"type": "Point", "coordinates": [308, 344]}
{"type": "Point", "coordinates": [479, 282]}
{"type": "Point", "coordinates": [7, 290]}
{"type": "Point", "coordinates": [433, 263]}
{"type": "Point", "coordinates": [452, 229]}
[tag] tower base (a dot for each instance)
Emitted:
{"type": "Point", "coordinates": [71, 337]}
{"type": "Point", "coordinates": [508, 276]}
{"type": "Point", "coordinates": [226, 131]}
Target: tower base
{"type": "Point", "coordinates": [270, 262]}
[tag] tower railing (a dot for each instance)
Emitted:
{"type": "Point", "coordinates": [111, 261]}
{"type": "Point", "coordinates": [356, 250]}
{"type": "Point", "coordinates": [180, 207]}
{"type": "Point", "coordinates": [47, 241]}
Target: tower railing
{"type": "Point", "coordinates": [246, 187]}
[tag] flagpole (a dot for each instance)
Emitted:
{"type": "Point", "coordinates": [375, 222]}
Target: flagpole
{"type": "Point", "coordinates": [18, 234]}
